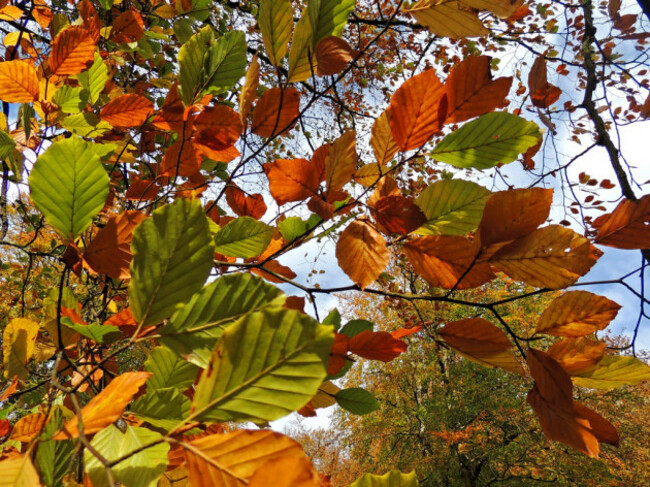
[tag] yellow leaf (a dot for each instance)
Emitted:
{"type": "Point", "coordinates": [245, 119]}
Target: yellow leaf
{"type": "Point", "coordinates": [368, 175]}
{"type": "Point", "coordinates": [500, 8]}
{"type": "Point", "coordinates": [18, 472]}
{"type": "Point", "coordinates": [249, 90]}
{"type": "Point", "coordinates": [286, 472]}
{"type": "Point", "coordinates": [341, 161]}
{"type": "Point", "coordinates": [382, 141]}
{"type": "Point", "coordinates": [614, 371]}
{"type": "Point", "coordinates": [448, 18]}
{"type": "Point", "coordinates": [18, 341]}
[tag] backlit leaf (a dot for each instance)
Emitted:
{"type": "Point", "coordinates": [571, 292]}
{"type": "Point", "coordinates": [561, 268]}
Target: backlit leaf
{"type": "Point", "coordinates": [225, 63]}
{"type": "Point", "coordinates": [286, 472]}
{"type": "Point", "coordinates": [627, 227]}
{"type": "Point", "coordinates": [577, 355]}
{"type": "Point", "coordinates": [276, 24]}
{"type": "Point", "coordinates": [243, 237]}
{"type": "Point", "coordinates": [542, 93]}
{"type": "Point", "coordinates": [382, 141]}
{"type": "Point", "coordinates": [18, 340]}
{"type": "Point", "coordinates": [18, 82]}
{"type": "Point", "coordinates": [417, 110]}
{"type": "Point", "coordinates": [301, 54]}
{"type": "Point", "coordinates": [577, 313]}
{"type": "Point", "coordinates": [394, 478]}
{"type": "Point", "coordinates": [614, 371]}
{"type": "Point", "coordinates": [501, 8]}
{"type": "Point", "coordinates": [276, 112]}
{"type": "Point", "coordinates": [398, 214]}
{"type": "Point", "coordinates": [69, 185]}
{"type": "Point", "coordinates": [341, 161]}
{"type": "Point", "coordinates": [172, 257]}
{"type": "Point", "coordinates": [491, 139]}
{"type": "Point", "coordinates": [328, 17]}
{"type": "Point", "coordinates": [376, 345]}
{"type": "Point", "coordinates": [362, 253]}
{"type": "Point", "coordinates": [169, 370]}
{"type": "Point", "coordinates": [18, 472]}
{"type": "Point", "coordinates": [129, 110]}
{"type": "Point", "coordinates": [332, 55]}
{"type": "Point", "coordinates": [72, 51]}
{"type": "Point", "coordinates": [448, 18]}
{"type": "Point", "coordinates": [291, 179]}
{"type": "Point", "coordinates": [265, 366]}
{"type": "Point", "coordinates": [248, 93]}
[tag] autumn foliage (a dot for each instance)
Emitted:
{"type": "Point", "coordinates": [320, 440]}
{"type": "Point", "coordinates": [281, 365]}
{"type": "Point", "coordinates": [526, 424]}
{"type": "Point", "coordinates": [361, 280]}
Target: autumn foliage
{"type": "Point", "coordinates": [166, 165]}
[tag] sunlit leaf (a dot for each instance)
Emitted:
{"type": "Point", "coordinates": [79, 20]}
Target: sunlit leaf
{"type": "Point", "coordinates": [341, 161]}
{"type": "Point", "coordinates": [614, 371]}
{"type": "Point", "coordinates": [276, 112]}
{"type": "Point", "coordinates": [18, 340]}
{"type": "Point", "coordinates": [382, 141]}
{"type": "Point", "coordinates": [72, 51]}
{"type": "Point", "coordinates": [376, 345]}
{"type": "Point", "coordinates": [249, 90]}
{"type": "Point", "coordinates": [627, 227]}
{"type": "Point", "coordinates": [291, 179]}
{"type": "Point", "coordinates": [286, 472]}
{"type": "Point", "coordinates": [243, 237]}
{"type": "Point", "coordinates": [169, 370]}
{"type": "Point", "coordinates": [18, 82]}
{"type": "Point", "coordinates": [577, 355]}
{"type": "Point", "coordinates": [276, 24]}
{"type": "Point", "coordinates": [394, 478]}
{"type": "Point", "coordinates": [362, 253]}
{"type": "Point", "coordinates": [18, 472]}
{"type": "Point", "coordinates": [448, 18]}
{"type": "Point", "coordinates": [128, 110]}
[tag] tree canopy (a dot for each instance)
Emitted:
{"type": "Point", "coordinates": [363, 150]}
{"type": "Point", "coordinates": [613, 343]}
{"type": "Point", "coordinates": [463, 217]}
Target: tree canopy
{"type": "Point", "coordinates": [168, 169]}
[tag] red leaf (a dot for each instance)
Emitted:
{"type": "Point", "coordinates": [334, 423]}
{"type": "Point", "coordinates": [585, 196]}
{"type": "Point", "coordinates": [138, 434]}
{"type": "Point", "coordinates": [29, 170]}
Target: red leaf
{"type": "Point", "coordinates": [377, 345]}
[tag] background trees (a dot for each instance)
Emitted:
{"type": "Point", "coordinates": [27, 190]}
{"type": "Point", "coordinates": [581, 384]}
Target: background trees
{"type": "Point", "coordinates": [163, 164]}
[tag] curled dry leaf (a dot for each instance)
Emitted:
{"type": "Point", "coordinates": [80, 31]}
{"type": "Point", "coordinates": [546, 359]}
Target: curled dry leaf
{"type": "Point", "coordinates": [576, 314]}
{"type": "Point", "coordinates": [480, 341]}
{"type": "Point", "coordinates": [542, 93]}
{"type": "Point", "coordinates": [276, 112]}
{"type": "Point", "coordinates": [332, 55]}
{"type": "Point", "coordinates": [362, 253]}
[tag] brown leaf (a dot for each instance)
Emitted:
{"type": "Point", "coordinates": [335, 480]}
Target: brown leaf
{"type": "Point", "coordinates": [577, 355]}
{"type": "Point", "coordinates": [577, 313]}
{"type": "Point", "coordinates": [341, 161]}
{"type": "Point", "coordinates": [627, 227]}
{"type": "Point", "coordinates": [18, 82]}
{"type": "Point", "coordinates": [128, 110]}
{"type": "Point", "coordinates": [231, 459]}
{"type": "Point", "coordinates": [362, 253]}
{"type": "Point", "coordinates": [553, 257]}
{"type": "Point", "coordinates": [142, 190]}
{"type": "Point", "coordinates": [417, 110]}
{"type": "Point", "coordinates": [332, 55]}
{"type": "Point", "coordinates": [552, 382]}
{"type": "Point", "coordinates": [276, 112]}
{"type": "Point", "coordinates": [382, 141]}
{"type": "Point", "coordinates": [397, 214]}
{"type": "Point", "coordinates": [127, 27]}
{"type": "Point", "coordinates": [107, 406]}
{"type": "Point", "coordinates": [173, 114]}
{"type": "Point", "coordinates": [291, 180]}
{"type": "Point", "coordinates": [471, 91]}
{"type": "Point", "coordinates": [110, 251]}
{"type": "Point", "coordinates": [72, 51]}
{"type": "Point", "coordinates": [512, 214]}
{"type": "Point", "coordinates": [182, 158]}
{"type": "Point", "coordinates": [245, 205]}
{"type": "Point", "coordinates": [542, 93]}
{"type": "Point", "coordinates": [443, 260]}
{"type": "Point", "coordinates": [376, 345]}
{"type": "Point", "coordinates": [91, 20]}
{"type": "Point", "coordinates": [220, 124]}
{"type": "Point", "coordinates": [285, 472]}
{"type": "Point", "coordinates": [295, 302]}
{"type": "Point", "coordinates": [482, 342]}
{"type": "Point", "coordinates": [277, 268]}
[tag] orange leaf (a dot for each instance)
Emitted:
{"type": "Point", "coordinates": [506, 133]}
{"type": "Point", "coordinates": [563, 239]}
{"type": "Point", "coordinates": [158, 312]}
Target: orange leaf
{"type": "Point", "coordinates": [417, 110]}
{"type": "Point", "coordinates": [339, 353]}
{"type": "Point", "coordinates": [512, 214]}
{"type": "Point", "coordinates": [318, 161]}
{"type": "Point", "coordinates": [245, 205]}
{"type": "Point", "coordinates": [18, 82]}
{"type": "Point", "coordinates": [276, 267]}
{"type": "Point", "coordinates": [26, 428]}
{"type": "Point", "coordinates": [341, 161]}
{"type": "Point", "coordinates": [220, 124]}
{"type": "Point", "coordinates": [183, 158]}
{"type": "Point", "coordinates": [127, 27]}
{"type": "Point", "coordinates": [173, 115]}
{"type": "Point", "coordinates": [232, 458]}
{"type": "Point", "coordinates": [332, 55]}
{"type": "Point", "coordinates": [110, 251]}
{"type": "Point", "coordinates": [276, 112]}
{"type": "Point", "coordinates": [285, 472]}
{"type": "Point", "coordinates": [72, 51]}
{"type": "Point", "coordinates": [10, 12]}
{"type": "Point", "coordinates": [291, 180]}
{"type": "Point", "coordinates": [577, 313]}
{"type": "Point", "coordinates": [11, 388]}
{"type": "Point", "coordinates": [90, 17]}
{"type": "Point", "coordinates": [362, 253]}
{"type": "Point", "coordinates": [404, 332]}
{"type": "Point", "coordinates": [129, 110]}
{"type": "Point", "coordinates": [398, 214]}
{"type": "Point", "coordinates": [385, 187]}
{"type": "Point", "coordinates": [107, 406]}
{"type": "Point", "coordinates": [123, 318]}
{"type": "Point", "coordinates": [377, 345]}
{"type": "Point", "coordinates": [5, 426]}
{"type": "Point", "coordinates": [471, 91]}
{"type": "Point", "coordinates": [577, 355]}
{"type": "Point", "coordinates": [627, 227]}
{"type": "Point", "coordinates": [142, 190]}
{"type": "Point", "coordinates": [382, 141]}
{"type": "Point", "coordinates": [443, 260]}
{"type": "Point", "coordinates": [552, 382]}
{"type": "Point", "coordinates": [543, 94]}
{"type": "Point", "coordinates": [203, 148]}
{"type": "Point", "coordinates": [249, 90]}
{"type": "Point", "coordinates": [482, 342]}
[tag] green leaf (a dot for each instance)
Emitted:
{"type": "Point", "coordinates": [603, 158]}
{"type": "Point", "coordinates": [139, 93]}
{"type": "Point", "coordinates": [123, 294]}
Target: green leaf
{"type": "Point", "coordinates": [265, 366]}
{"type": "Point", "coordinates": [491, 139]}
{"type": "Point", "coordinates": [328, 17]}
{"type": "Point", "coordinates": [333, 318]}
{"type": "Point", "coordinates": [7, 145]}
{"type": "Point", "coordinates": [94, 331]}
{"type": "Point", "coordinates": [172, 257]}
{"type": "Point", "coordinates": [243, 237]}
{"type": "Point", "coordinates": [169, 370]}
{"type": "Point", "coordinates": [301, 51]}
{"type": "Point", "coordinates": [357, 400]}
{"type": "Point", "coordinates": [191, 57]}
{"type": "Point", "coordinates": [452, 207]}
{"type": "Point", "coordinates": [85, 125]}
{"type": "Point", "coordinates": [225, 63]}
{"type": "Point", "coordinates": [52, 458]}
{"type": "Point", "coordinates": [354, 327]}
{"type": "Point", "coordinates": [70, 100]}
{"type": "Point", "coordinates": [394, 478]}
{"type": "Point", "coordinates": [142, 469]}
{"type": "Point", "coordinates": [276, 24]}
{"type": "Point", "coordinates": [194, 330]}
{"type": "Point", "coordinates": [294, 227]}
{"type": "Point", "coordinates": [94, 79]}
{"type": "Point", "coordinates": [614, 371]}
{"type": "Point", "coordinates": [69, 185]}
{"type": "Point", "coordinates": [163, 408]}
